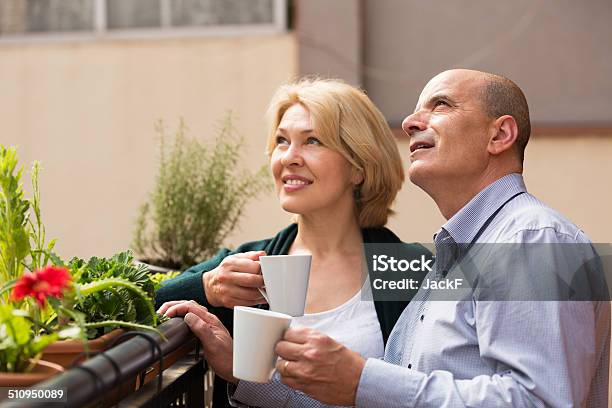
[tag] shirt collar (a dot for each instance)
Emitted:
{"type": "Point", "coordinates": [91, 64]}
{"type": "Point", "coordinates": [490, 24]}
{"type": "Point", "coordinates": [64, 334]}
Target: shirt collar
{"type": "Point", "coordinates": [465, 224]}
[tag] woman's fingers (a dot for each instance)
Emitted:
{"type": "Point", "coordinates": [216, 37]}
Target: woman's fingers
{"type": "Point", "coordinates": [243, 265]}
{"type": "Point", "coordinates": [166, 305]}
{"type": "Point", "coordinates": [181, 309]}
{"type": "Point", "coordinates": [253, 255]}
{"type": "Point", "coordinates": [245, 280]}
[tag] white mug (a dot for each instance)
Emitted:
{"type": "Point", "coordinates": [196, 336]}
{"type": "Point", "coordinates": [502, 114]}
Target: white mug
{"type": "Point", "coordinates": [286, 282]}
{"type": "Point", "coordinates": [256, 332]}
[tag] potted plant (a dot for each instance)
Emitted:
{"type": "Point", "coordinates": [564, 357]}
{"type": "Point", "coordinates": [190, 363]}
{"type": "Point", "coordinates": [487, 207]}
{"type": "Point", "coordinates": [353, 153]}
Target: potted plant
{"type": "Point", "coordinates": [81, 300]}
{"type": "Point", "coordinates": [109, 294]}
{"type": "Point", "coordinates": [198, 197]}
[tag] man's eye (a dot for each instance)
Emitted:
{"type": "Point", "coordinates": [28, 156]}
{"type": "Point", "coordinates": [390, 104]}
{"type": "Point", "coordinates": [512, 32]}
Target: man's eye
{"type": "Point", "coordinates": [281, 140]}
{"type": "Point", "coordinates": [440, 102]}
{"type": "Point", "coordinates": [313, 140]}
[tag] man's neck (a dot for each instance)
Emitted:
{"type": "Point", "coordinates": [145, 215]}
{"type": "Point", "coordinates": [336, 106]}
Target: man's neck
{"type": "Point", "coordinates": [452, 197]}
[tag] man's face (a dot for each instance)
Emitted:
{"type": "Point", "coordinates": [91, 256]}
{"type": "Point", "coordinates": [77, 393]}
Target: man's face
{"type": "Point", "coordinates": [448, 131]}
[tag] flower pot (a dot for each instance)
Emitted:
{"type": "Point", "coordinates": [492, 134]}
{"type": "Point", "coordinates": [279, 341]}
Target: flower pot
{"type": "Point", "coordinates": [41, 371]}
{"type": "Point", "coordinates": [65, 352]}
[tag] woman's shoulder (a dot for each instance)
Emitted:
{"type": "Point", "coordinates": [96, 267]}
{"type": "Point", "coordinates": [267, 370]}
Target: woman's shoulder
{"type": "Point", "coordinates": [276, 245]}
{"type": "Point", "coordinates": [383, 235]}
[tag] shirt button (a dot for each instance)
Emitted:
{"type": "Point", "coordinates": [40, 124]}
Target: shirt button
{"type": "Point", "coordinates": [422, 317]}
{"type": "Point", "coordinates": [409, 365]}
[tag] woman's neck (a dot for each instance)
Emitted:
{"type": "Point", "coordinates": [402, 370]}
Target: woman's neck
{"type": "Point", "coordinates": [321, 235]}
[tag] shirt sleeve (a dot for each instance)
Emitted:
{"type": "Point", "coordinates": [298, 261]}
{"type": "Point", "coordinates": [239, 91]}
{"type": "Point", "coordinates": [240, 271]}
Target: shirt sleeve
{"type": "Point", "coordinates": [188, 285]}
{"type": "Point", "coordinates": [543, 353]}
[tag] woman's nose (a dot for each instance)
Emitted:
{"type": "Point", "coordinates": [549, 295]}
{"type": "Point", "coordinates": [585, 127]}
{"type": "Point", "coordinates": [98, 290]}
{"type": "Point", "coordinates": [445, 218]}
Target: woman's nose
{"type": "Point", "coordinates": [292, 156]}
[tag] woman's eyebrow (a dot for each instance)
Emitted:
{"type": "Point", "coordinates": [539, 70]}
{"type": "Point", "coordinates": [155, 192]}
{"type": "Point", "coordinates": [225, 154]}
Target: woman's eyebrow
{"type": "Point", "coordinates": [280, 129]}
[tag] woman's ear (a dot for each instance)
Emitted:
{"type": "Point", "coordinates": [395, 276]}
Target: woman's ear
{"type": "Point", "coordinates": [505, 133]}
{"type": "Point", "coordinates": [356, 176]}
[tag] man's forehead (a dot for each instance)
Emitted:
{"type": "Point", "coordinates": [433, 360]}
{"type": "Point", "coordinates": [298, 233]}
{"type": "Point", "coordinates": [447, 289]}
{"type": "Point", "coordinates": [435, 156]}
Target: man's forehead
{"type": "Point", "coordinates": [454, 83]}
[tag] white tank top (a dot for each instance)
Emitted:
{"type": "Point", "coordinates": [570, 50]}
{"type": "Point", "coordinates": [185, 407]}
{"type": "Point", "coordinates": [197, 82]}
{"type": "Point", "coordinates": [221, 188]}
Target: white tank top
{"type": "Point", "coordinates": [353, 324]}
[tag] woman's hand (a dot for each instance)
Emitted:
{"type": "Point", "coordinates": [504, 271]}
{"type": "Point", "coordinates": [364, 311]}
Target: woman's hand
{"type": "Point", "coordinates": [235, 281]}
{"type": "Point", "coordinates": [216, 341]}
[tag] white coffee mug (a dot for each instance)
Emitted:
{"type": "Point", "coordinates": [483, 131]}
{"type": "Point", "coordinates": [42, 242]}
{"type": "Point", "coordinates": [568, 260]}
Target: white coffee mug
{"type": "Point", "coordinates": [286, 282]}
{"type": "Point", "coordinates": [256, 332]}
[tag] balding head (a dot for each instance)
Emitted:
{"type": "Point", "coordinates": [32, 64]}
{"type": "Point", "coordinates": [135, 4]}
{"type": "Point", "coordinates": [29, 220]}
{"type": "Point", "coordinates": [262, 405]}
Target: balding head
{"type": "Point", "coordinates": [500, 96]}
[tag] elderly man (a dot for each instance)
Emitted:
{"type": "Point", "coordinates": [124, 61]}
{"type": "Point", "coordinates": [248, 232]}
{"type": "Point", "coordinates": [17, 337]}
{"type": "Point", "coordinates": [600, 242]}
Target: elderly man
{"type": "Point", "coordinates": [467, 139]}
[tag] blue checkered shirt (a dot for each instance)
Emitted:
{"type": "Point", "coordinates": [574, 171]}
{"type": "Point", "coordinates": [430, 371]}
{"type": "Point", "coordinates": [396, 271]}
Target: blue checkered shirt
{"type": "Point", "coordinates": [471, 353]}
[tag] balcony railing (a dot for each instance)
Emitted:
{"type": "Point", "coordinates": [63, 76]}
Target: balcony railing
{"type": "Point", "coordinates": [129, 373]}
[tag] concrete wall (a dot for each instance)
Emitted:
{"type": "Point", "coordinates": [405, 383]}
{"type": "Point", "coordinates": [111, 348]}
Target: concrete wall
{"type": "Point", "coordinates": [86, 110]}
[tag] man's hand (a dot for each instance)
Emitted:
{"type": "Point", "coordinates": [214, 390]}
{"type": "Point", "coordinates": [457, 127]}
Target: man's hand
{"type": "Point", "coordinates": [235, 281]}
{"type": "Point", "coordinates": [319, 366]}
{"type": "Point", "coordinates": [216, 341]}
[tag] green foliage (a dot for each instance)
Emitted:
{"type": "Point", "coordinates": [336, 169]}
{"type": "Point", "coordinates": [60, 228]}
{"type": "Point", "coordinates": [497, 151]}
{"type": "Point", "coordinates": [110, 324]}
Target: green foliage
{"type": "Point", "coordinates": [14, 232]}
{"type": "Point", "coordinates": [115, 290]}
{"type": "Point", "coordinates": [22, 237]}
{"type": "Point", "coordinates": [198, 197]}
{"type": "Point", "coordinates": [158, 278]}
{"type": "Point", "coordinates": [18, 340]}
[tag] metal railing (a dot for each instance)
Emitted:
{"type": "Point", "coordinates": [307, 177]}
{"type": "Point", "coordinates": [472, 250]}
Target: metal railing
{"type": "Point", "coordinates": [110, 378]}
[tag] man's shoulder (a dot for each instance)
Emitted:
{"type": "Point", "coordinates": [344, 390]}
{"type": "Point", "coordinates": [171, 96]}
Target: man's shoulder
{"type": "Point", "coordinates": [528, 216]}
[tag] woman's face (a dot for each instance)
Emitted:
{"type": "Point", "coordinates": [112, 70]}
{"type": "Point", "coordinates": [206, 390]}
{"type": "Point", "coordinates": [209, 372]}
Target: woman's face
{"type": "Point", "coordinates": [310, 178]}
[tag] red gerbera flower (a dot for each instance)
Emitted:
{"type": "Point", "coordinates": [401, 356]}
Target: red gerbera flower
{"type": "Point", "coordinates": [49, 281]}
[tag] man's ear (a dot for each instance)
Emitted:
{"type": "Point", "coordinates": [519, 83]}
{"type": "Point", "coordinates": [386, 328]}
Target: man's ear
{"type": "Point", "coordinates": [505, 133]}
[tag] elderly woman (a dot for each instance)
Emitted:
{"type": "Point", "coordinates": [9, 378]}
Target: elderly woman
{"type": "Point", "coordinates": [337, 168]}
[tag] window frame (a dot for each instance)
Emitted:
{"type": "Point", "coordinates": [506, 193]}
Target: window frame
{"type": "Point", "coordinates": [100, 30]}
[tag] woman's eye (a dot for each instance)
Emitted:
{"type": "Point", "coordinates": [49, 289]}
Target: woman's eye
{"type": "Point", "coordinates": [281, 140]}
{"type": "Point", "coordinates": [313, 140]}
{"type": "Point", "coordinates": [440, 102]}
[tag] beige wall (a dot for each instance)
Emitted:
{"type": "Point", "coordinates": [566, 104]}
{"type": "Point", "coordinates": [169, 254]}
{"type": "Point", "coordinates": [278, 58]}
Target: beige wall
{"type": "Point", "coordinates": [570, 174]}
{"type": "Point", "coordinates": [86, 111]}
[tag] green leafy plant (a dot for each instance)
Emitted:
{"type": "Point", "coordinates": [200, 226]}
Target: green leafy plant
{"type": "Point", "coordinates": [20, 344]}
{"type": "Point", "coordinates": [41, 300]}
{"type": "Point", "coordinates": [198, 197]}
{"type": "Point", "coordinates": [113, 292]}
{"type": "Point", "coordinates": [22, 237]}
{"type": "Point", "coordinates": [14, 215]}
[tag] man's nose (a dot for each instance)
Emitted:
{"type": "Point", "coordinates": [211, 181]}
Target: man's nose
{"type": "Point", "coordinates": [414, 123]}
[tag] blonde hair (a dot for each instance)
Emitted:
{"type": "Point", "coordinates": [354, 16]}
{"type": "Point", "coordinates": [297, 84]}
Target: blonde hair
{"type": "Point", "coordinates": [347, 121]}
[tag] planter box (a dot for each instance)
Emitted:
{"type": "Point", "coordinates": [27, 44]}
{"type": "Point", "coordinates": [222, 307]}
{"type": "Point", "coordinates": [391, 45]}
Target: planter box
{"type": "Point", "coordinates": [42, 370]}
{"type": "Point", "coordinates": [65, 352]}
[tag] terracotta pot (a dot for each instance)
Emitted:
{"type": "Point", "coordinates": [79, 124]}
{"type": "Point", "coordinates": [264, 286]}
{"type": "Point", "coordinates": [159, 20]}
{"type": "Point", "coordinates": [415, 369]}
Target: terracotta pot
{"type": "Point", "coordinates": [65, 352]}
{"type": "Point", "coordinates": [42, 370]}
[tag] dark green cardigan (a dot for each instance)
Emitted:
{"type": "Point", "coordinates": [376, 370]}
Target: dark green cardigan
{"type": "Point", "coordinates": [188, 285]}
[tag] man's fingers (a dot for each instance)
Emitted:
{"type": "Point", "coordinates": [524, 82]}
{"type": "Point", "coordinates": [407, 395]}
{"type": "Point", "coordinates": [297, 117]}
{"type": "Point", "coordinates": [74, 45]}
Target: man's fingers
{"type": "Point", "coordinates": [297, 334]}
{"type": "Point", "coordinates": [289, 351]}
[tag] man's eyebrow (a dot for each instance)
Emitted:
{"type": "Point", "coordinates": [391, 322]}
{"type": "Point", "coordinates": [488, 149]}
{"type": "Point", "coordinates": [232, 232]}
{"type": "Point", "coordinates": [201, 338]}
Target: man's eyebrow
{"type": "Point", "coordinates": [440, 97]}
